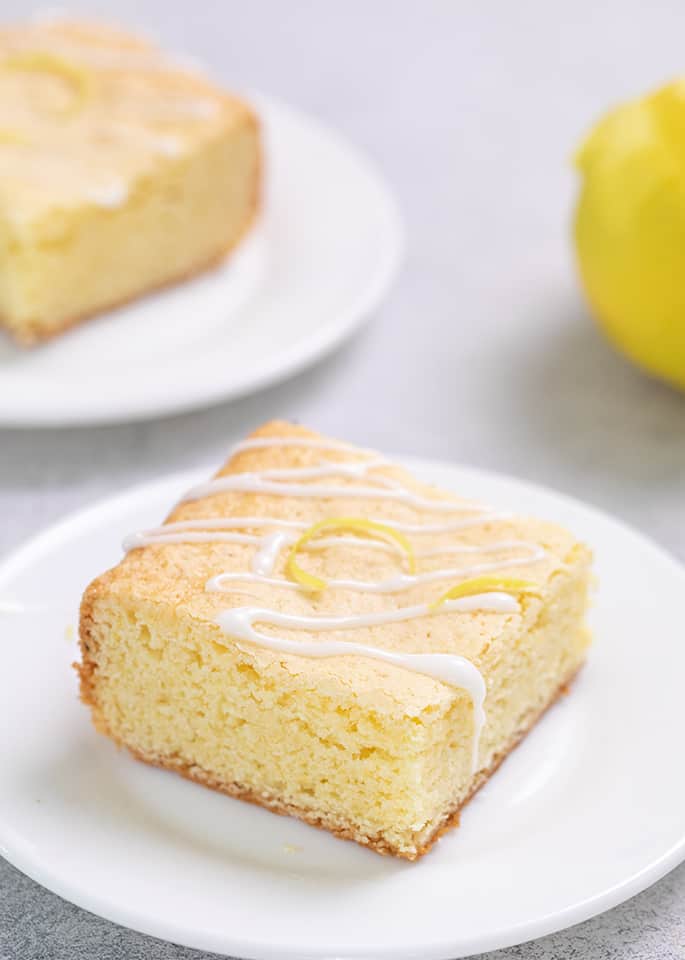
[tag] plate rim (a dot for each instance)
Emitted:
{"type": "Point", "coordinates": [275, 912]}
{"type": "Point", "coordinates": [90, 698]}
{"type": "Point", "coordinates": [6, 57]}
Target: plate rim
{"type": "Point", "coordinates": [330, 335]}
{"type": "Point", "coordinates": [19, 855]}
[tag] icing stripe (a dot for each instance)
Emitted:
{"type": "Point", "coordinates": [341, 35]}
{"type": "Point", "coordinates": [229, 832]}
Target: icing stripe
{"type": "Point", "coordinates": [239, 622]}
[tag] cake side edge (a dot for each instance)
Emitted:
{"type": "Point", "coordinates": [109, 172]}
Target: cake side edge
{"type": "Point", "coordinates": [343, 831]}
{"type": "Point", "coordinates": [30, 335]}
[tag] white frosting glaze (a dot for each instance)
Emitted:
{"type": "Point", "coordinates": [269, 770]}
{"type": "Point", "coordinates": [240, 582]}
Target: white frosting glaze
{"type": "Point", "coordinates": [267, 482]}
{"type": "Point", "coordinates": [136, 540]}
{"type": "Point", "coordinates": [205, 530]}
{"type": "Point", "coordinates": [265, 560]}
{"type": "Point", "coordinates": [483, 515]}
{"type": "Point", "coordinates": [219, 531]}
{"type": "Point", "coordinates": [169, 146]}
{"type": "Point", "coordinates": [107, 107]}
{"type": "Point", "coordinates": [110, 196]}
{"type": "Point", "coordinates": [451, 669]}
{"type": "Point", "coordinates": [306, 443]}
{"type": "Point", "coordinates": [239, 622]}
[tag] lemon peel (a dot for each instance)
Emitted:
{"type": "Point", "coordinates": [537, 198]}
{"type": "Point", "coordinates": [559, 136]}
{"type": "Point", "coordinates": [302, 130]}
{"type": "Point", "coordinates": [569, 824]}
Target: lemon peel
{"type": "Point", "coordinates": [475, 585]}
{"type": "Point", "coordinates": [354, 524]}
{"type": "Point", "coordinates": [38, 62]}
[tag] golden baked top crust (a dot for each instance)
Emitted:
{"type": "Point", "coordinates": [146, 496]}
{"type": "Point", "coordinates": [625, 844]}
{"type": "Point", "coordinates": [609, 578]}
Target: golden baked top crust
{"type": "Point", "coordinates": [174, 575]}
{"type": "Point", "coordinates": [86, 110]}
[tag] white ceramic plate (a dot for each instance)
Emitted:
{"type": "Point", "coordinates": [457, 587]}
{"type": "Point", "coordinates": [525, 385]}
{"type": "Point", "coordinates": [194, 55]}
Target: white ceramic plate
{"type": "Point", "coordinates": [589, 810]}
{"type": "Point", "coordinates": [318, 261]}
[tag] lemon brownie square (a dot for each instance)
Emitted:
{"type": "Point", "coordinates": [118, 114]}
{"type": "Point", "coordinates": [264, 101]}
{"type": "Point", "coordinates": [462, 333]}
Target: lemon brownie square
{"type": "Point", "coordinates": [120, 172]}
{"type": "Point", "coordinates": [316, 631]}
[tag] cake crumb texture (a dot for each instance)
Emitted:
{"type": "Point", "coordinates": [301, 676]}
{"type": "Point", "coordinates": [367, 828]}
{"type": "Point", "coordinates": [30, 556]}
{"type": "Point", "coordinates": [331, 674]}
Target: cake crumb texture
{"type": "Point", "coordinates": [120, 172]}
{"type": "Point", "coordinates": [370, 751]}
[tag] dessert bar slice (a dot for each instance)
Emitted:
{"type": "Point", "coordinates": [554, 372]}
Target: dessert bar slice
{"type": "Point", "coordinates": [120, 172]}
{"type": "Point", "coordinates": [316, 631]}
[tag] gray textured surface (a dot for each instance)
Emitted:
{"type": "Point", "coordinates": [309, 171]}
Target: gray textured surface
{"type": "Point", "coordinates": [37, 925]}
{"type": "Point", "coordinates": [482, 353]}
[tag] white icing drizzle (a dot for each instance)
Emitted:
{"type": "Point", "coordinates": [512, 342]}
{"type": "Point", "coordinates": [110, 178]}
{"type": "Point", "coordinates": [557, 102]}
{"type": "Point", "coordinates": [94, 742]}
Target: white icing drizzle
{"type": "Point", "coordinates": [239, 622]}
{"type": "Point", "coordinates": [218, 523]}
{"type": "Point", "coordinates": [146, 539]}
{"type": "Point", "coordinates": [262, 572]}
{"type": "Point", "coordinates": [219, 531]}
{"type": "Point", "coordinates": [207, 530]}
{"type": "Point", "coordinates": [306, 443]}
{"type": "Point", "coordinates": [265, 558]}
{"type": "Point", "coordinates": [110, 196]}
{"type": "Point", "coordinates": [266, 481]}
{"type": "Point", "coordinates": [484, 515]}
{"type": "Point", "coordinates": [204, 531]}
{"type": "Point", "coordinates": [168, 145]}
{"type": "Point", "coordinates": [451, 669]}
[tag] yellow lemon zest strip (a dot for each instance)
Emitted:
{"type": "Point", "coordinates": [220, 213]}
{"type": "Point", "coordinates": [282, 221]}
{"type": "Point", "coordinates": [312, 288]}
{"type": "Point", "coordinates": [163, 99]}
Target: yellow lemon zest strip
{"type": "Point", "coordinates": [475, 585]}
{"type": "Point", "coordinates": [39, 62]}
{"type": "Point", "coordinates": [354, 524]}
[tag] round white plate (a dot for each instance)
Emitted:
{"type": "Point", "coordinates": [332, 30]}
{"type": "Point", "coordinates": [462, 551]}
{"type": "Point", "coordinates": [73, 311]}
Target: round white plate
{"type": "Point", "coordinates": [589, 810]}
{"type": "Point", "coordinates": [324, 250]}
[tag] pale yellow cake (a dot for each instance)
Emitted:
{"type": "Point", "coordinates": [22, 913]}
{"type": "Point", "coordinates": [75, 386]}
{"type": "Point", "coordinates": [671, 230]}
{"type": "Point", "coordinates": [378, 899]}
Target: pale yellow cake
{"type": "Point", "coordinates": [120, 172]}
{"type": "Point", "coordinates": [263, 641]}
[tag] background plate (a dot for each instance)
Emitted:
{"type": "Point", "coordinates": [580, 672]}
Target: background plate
{"type": "Point", "coordinates": [589, 810]}
{"type": "Point", "coordinates": [321, 256]}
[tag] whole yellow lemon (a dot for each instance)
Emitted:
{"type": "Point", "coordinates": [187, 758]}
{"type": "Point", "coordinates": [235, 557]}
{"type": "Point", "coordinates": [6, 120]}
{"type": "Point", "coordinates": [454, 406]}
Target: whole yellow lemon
{"type": "Point", "coordinates": [630, 229]}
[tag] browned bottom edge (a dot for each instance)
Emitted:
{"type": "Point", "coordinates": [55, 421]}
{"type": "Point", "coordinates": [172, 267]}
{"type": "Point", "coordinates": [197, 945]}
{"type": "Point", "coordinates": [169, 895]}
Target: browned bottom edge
{"type": "Point", "coordinates": [378, 843]}
{"type": "Point", "coordinates": [452, 818]}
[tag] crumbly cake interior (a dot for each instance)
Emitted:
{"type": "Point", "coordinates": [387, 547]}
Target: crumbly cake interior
{"type": "Point", "coordinates": [370, 750]}
{"type": "Point", "coordinates": [120, 171]}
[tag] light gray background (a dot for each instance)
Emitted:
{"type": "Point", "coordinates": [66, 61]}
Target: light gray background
{"type": "Point", "coordinates": [482, 353]}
